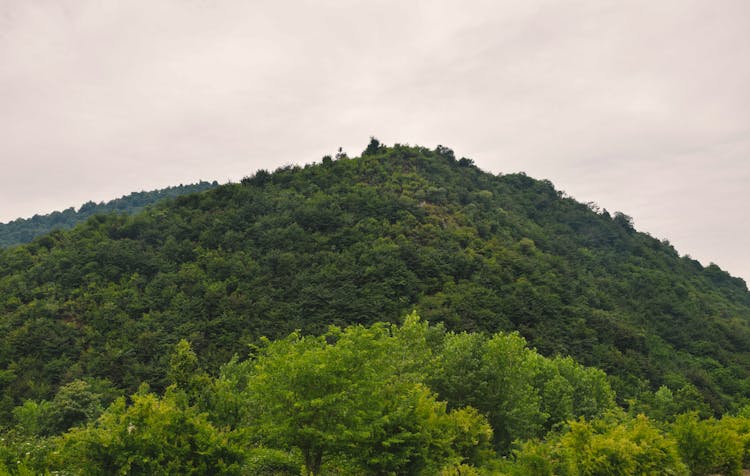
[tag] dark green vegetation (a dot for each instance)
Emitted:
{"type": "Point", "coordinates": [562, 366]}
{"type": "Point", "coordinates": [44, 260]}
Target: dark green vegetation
{"type": "Point", "coordinates": [91, 313]}
{"type": "Point", "coordinates": [23, 230]}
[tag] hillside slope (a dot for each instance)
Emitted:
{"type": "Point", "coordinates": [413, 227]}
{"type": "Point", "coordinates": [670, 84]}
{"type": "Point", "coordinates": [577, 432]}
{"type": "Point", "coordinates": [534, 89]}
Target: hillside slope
{"type": "Point", "coordinates": [23, 230]}
{"type": "Point", "coordinates": [362, 240]}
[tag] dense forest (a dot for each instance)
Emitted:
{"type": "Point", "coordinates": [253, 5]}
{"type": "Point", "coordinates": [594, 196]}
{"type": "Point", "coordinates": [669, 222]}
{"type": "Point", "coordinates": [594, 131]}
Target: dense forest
{"type": "Point", "coordinates": [23, 230]}
{"type": "Point", "coordinates": [210, 317]}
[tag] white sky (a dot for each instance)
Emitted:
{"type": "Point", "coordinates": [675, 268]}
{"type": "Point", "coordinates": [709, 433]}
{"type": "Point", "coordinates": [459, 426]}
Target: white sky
{"type": "Point", "coordinates": [641, 106]}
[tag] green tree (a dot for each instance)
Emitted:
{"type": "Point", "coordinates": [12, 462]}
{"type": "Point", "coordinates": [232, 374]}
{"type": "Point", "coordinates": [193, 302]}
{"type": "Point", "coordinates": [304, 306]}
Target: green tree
{"type": "Point", "coordinates": [356, 394]}
{"type": "Point", "coordinates": [569, 391]}
{"type": "Point", "coordinates": [614, 445]}
{"type": "Point", "coordinates": [707, 446]}
{"type": "Point", "coordinates": [33, 418]}
{"type": "Point", "coordinates": [632, 447]}
{"type": "Point", "coordinates": [187, 375]}
{"type": "Point", "coordinates": [495, 375]}
{"type": "Point", "coordinates": [373, 147]}
{"type": "Point", "coordinates": [159, 436]}
{"type": "Point", "coordinates": [313, 396]}
{"type": "Point", "coordinates": [74, 404]}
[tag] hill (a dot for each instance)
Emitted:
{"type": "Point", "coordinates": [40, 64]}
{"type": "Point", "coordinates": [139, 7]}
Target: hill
{"type": "Point", "coordinates": [361, 240]}
{"type": "Point", "coordinates": [23, 230]}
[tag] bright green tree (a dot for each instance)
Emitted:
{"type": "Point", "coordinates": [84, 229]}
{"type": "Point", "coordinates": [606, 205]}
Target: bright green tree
{"type": "Point", "coordinates": [355, 394]}
{"type": "Point", "coordinates": [187, 375]}
{"type": "Point", "coordinates": [158, 436]}
{"type": "Point", "coordinates": [494, 375]}
{"type": "Point", "coordinates": [708, 446]}
{"type": "Point", "coordinates": [615, 445]}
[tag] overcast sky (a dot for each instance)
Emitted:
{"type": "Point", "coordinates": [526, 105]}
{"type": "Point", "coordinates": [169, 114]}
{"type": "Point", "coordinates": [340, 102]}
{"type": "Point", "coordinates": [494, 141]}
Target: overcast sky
{"type": "Point", "coordinates": [639, 106]}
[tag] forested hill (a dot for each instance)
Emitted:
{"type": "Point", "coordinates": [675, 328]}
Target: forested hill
{"type": "Point", "coordinates": [23, 230]}
{"type": "Point", "coordinates": [360, 240]}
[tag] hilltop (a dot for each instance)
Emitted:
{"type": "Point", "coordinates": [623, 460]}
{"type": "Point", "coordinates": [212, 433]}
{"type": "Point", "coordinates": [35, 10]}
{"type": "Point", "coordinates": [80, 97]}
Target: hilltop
{"type": "Point", "coordinates": [362, 240]}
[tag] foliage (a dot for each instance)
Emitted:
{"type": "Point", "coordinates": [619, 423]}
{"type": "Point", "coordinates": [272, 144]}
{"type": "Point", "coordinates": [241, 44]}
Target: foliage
{"type": "Point", "coordinates": [354, 393]}
{"type": "Point", "coordinates": [151, 436]}
{"type": "Point", "coordinates": [271, 462]}
{"type": "Point", "coordinates": [494, 375]}
{"type": "Point", "coordinates": [25, 455]}
{"type": "Point", "coordinates": [186, 374]}
{"type": "Point", "coordinates": [709, 446]}
{"type": "Point", "coordinates": [598, 447]}
{"type": "Point", "coordinates": [666, 405]}
{"type": "Point", "coordinates": [633, 447]}
{"type": "Point", "coordinates": [522, 393]}
{"type": "Point", "coordinates": [75, 403]}
{"type": "Point", "coordinates": [24, 230]}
